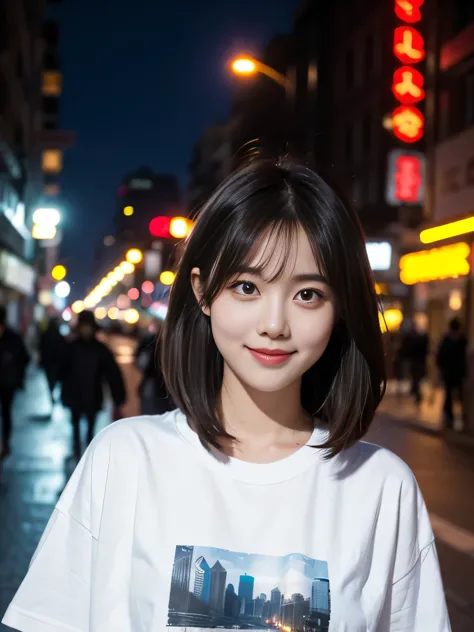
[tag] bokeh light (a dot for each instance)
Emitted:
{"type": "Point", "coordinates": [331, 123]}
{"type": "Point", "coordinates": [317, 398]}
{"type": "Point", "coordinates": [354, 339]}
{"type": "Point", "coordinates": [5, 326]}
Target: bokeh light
{"type": "Point", "coordinates": [148, 287]}
{"type": "Point", "coordinates": [134, 255]}
{"type": "Point", "coordinates": [131, 316]}
{"type": "Point", "coordinates": [167, 277]}
{"type": "Point", "coordinates": [78, 307]}
{"type": "Point", "coordinates": [58, 272]}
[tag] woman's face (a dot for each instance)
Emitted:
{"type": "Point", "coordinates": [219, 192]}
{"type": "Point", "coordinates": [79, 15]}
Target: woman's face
{"type": "Point", "coordinates": [271, 333]}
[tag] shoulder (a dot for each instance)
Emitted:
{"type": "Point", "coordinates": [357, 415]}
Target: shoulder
{"type": "Point", "coordinates": [135, 432]}
{"type": "Point", "coordinates": [379, 472]}
{"type": "Point", "coordinates": [111, 464]}
{"type": "Point", "coordinates": [371, 460]}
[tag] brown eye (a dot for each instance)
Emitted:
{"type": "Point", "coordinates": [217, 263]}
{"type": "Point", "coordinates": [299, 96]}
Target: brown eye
{"type": "Point", "coordinates": [309, 296]}
{"type": "Point", "coordinates": [245, 288]}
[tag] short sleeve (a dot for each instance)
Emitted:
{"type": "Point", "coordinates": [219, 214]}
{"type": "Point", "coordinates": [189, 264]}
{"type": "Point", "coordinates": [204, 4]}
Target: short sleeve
{"type": "Point", "coordinates": [418, 602]}
{"type": "Point", "coordinates": [55, 594]}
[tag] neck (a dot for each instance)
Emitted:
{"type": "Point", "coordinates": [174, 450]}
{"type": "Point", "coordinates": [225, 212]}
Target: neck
{"type": "Point", "coordinates": [251, 414]}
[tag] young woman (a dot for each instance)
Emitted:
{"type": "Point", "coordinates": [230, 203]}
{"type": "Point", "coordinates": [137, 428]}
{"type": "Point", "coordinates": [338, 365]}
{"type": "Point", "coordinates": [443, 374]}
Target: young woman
{"type": "Point", "coordinates": [254, 505]}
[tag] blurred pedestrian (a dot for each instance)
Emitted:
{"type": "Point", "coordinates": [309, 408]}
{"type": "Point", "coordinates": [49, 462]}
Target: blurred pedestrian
{"type": "Point", "coordinates": [154, 397]}
{"type": "Point", "coordinates": [88, 365]}
{"type": "Point", "coordinates": [14, 360]}
{"type": "Point", "coordinates": [452, 364]}
{"type": "Point", "coordinates": [52, 347]}
{"type": "Point", "coordinates": [417, 347]}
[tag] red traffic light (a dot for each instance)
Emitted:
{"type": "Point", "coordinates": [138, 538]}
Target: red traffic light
{"type": "Point", "coordinates": [160, 227]}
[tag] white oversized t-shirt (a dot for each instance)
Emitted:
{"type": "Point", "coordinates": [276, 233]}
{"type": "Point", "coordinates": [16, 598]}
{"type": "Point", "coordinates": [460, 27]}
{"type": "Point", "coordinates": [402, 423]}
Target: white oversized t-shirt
{"type": "Point", "coordinates": [155, 533]}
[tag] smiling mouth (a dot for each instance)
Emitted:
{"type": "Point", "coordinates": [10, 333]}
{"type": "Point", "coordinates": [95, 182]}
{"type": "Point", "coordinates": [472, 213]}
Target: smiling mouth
{"type": "Point", "coordinates": [270, 357]}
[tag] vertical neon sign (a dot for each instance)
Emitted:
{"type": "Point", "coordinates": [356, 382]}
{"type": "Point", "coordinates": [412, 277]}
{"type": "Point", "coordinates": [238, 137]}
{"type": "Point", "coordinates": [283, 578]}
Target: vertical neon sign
{"type": "Point", "coordinates": [407, 85]}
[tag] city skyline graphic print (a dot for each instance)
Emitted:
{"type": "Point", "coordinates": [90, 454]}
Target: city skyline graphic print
{"type": "Point", "coordinates": [216, 588]}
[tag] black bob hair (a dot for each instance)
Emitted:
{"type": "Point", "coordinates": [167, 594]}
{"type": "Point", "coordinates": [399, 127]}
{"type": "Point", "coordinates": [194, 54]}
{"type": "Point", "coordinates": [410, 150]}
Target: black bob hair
{"type": "Point", "coordinates": [347, 383]}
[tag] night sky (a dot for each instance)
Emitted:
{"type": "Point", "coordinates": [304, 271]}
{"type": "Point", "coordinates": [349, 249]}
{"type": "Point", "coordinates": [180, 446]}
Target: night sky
{"type": "Point", "coordinates": [142, 81]}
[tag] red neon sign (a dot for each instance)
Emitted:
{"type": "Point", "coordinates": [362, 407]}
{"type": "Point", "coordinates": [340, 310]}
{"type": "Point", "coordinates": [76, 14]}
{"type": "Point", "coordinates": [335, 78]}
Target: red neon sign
{"type": "Point", "coordinates": [408, 123]}
{"type": "Point", "coordinates": [409, 10]}
{"type": "Point", "coordinates": [407, 85]}
{"type": "Point", "coordinates": [408, 179]}
{"type": "Point", "coordinates": [408, 45]}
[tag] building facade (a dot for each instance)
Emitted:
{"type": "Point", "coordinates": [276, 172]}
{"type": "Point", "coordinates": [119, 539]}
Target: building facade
{"type": "Point", "coordinates": [440, 265]}
{"type": "Point", "coordinates": [358, 121]}
{"type": "Point", "coordinates": [28, 90]}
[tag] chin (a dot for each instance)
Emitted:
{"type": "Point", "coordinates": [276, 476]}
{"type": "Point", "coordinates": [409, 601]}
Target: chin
{"type": "Point", "coordinates": [270, 382]}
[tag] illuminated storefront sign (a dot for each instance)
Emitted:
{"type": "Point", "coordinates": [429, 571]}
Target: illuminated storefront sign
{"type": "Point", "coordinates": [407, 85]}
{"type": "Point", "coordinates": [379, 254]}
{"type": "Point", "coordinates": [405, 177]}
{"type": "Point", "coordinates": [447, 262]}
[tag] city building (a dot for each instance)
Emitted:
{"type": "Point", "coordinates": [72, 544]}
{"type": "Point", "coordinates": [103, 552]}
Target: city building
{"type": "Point", "coordinates": [261, 116]}
{"type": "Point", "coordinates": [275, 604]}
{"type": "Point", "coordinates": [246, 586]}
{"type": "Point", "coordinates": [439, 264]}
{"type": "Point", "coordinates": [30, 85]}
{"type": "Point", "coordinates": [202, 579]}
{"type": "Point", "coordinates": [142, 196]}
{"type": "Point", "coordinates": [218, 584]}
{"type": "Point", "coordinates": [52, 143]}
{"type": "Point", "coordinates": [360, 122]}
{"type": "Point", "coordinates": [181, 578]}
{"type": "Point", "coordinates": [211, 162]}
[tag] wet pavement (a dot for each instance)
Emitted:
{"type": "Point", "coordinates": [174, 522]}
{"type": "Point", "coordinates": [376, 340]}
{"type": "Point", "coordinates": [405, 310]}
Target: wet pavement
{"type": "Point", "coordinates": [35, 474]}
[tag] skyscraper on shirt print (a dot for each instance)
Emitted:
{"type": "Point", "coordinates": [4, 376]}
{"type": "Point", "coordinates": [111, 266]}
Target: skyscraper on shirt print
{"type": "Point", "coordinates": [216, 588]}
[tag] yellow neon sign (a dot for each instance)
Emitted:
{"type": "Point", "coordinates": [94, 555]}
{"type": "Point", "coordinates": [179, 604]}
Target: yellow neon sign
{"type": "Point", "coordinates": [453, 229]}
{"type": "Point", "coordinates": [446, 262]}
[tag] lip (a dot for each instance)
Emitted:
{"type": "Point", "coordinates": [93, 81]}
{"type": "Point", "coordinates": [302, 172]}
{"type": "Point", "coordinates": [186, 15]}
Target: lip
{"type": "Point", "coordinates": [271, 357]}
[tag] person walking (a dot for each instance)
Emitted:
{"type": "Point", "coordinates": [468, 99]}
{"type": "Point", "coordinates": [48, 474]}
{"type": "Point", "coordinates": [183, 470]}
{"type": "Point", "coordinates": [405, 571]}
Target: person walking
{"type": "Point", "coordinates": [154, 396]}
{"type": "Point", "coordinates": [452, 364]}
{"type": "Point", "coordinates": [14, 359]}
{"type": "Point", "coordinates": [88, 364]}
{"type": "Point", "coordinates": [52, 347]}
{"type": "Point", "coordinates": [417, 354]}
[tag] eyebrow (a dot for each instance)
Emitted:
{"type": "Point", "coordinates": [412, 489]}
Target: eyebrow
{"type": "Point", "coordinates": [313, 276]}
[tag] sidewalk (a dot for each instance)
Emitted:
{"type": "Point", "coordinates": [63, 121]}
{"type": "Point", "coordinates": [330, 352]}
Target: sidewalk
{"type": "Point", "coordinates": [427, 417]}
{"type": "Point", "coordinates": [31, 479]}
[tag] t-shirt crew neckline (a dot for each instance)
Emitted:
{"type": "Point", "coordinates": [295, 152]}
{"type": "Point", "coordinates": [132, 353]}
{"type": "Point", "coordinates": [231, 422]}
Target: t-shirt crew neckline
{"type": "Point", "coordinates": [257, 473]}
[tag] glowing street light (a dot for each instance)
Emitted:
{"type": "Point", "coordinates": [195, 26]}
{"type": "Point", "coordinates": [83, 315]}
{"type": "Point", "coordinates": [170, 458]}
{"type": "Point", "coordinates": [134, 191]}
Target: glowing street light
{"type": "Point", "coordinates": [244, 66]}
{"type": "Point", "coordinates": [127, 267]}
{"type": "Point", "coordinates": [128, 211]}
{"type": "Point", "coordinates": [134, 255]}
{"type": "Point", "coordinates": [119, 273]}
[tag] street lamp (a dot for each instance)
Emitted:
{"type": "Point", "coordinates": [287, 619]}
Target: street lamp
{"type": "Point", "coordinates": [247, 65]}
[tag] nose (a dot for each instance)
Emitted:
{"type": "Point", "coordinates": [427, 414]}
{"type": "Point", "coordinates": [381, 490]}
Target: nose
{"type": "Point", "coordinates": [273, 319]}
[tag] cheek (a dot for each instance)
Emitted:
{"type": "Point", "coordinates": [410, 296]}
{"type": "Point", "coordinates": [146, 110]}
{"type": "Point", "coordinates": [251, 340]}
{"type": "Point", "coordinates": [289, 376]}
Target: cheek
{"type": "Point", "coordinates": [314, 330]}
{"type": "Point", "coordinates": [228, 322]}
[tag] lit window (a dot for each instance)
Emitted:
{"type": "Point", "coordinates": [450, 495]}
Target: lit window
{"type": "Point", "coordinates": [52, 83]}
{"type": "Point", "coordinates": [51, 189]}
{"type": "Point", "coordinates": [52, 161]}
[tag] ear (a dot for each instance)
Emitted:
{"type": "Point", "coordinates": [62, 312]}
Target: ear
{"type": "Point", "coordinates": [197, 289]}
